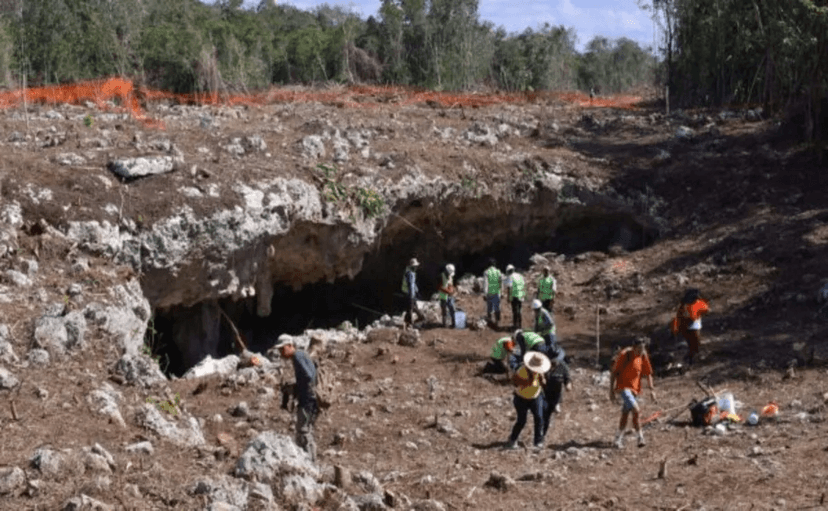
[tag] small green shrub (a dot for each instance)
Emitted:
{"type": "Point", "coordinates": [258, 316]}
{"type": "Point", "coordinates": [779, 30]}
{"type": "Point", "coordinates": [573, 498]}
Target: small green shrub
{"type": "Point", "coordinates": [370, 201]}
{"type": "Point", "coordinates": [88, 121]}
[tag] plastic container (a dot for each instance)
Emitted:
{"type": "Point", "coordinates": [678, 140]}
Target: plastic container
{"type": "Point", "coordinates": [459, 319]}
{"type": "Point", "coordinates": [753, 418]}
{"type": "Point", "coordinates": [727, 404]}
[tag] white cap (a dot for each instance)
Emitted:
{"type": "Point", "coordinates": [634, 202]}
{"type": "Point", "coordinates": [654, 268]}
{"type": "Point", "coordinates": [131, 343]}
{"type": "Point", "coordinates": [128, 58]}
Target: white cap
{"type": "Point", "coordinates": [450, 269]}
{"type": "Point", "coordinates": [284, 340]}
{"type": "Point", "coordinates": [536, 304]}
{"type": "Point", "coordinates": [509, 268]}
{"type": "Point", "coordinates": [414, 262]}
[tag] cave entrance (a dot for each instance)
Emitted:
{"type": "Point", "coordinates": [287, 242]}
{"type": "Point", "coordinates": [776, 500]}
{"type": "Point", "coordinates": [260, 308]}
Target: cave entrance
{"type": "Point", "coordinates": [181, 336]}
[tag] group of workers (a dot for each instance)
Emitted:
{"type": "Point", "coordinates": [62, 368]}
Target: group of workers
{"type": "Point", "coordinates": [534, 361]}
{"type": "Point", "coordinates": [510, 285]}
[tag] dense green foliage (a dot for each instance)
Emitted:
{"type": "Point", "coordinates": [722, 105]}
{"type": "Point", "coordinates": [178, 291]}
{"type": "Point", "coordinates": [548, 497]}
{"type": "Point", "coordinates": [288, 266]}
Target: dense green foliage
{"type": "Point", "coordinates": [187, 45]}
{"type": "Point", "coordinates": [748, 51]}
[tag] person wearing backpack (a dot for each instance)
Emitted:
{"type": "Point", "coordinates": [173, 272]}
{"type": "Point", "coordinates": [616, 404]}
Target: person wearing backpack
{"type": "Point", "coordinates": [307, 407]}
{"type": "Point", "coordinates": [688, 323]}
{"type": "Point", "coordinates": [625, 379]}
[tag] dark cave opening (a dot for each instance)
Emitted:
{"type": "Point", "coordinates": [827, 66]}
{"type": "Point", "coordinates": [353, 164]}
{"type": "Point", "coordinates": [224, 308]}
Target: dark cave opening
{"type": "Point", "coordinates": [373, 292]}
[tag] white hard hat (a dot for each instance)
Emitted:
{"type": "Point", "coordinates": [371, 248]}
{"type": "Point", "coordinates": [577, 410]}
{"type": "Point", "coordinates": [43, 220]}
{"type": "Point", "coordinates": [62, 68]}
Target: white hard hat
{"type": "Point", "coordinates": [536, 304]}
{"type": "Point", "coordinates": [450, 268]}
{"type": "Point", "coordinates": [509, 268]}
{"type": "Point", "coordinates": [414, 262]}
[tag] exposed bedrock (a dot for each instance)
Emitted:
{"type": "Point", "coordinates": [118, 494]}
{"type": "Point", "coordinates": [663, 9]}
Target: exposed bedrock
{"type": "Point", "coordinates": [288, 259]}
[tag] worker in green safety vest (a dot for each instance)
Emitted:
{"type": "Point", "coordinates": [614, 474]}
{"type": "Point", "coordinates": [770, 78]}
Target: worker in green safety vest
{"type": "Point", "coordinates": [492, 284]}
{"type": "Point", "coordinates": [544, 322]}
{"type": "Point", "coordinates": [446, 295]}
{"type": "Point", "coordinates": [516, 292]}
{"type": "Point", "coordinates": [547, 287]}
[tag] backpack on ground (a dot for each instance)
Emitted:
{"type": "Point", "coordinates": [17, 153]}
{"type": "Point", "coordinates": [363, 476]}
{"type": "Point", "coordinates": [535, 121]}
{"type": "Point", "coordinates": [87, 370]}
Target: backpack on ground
{"type": "Point", "coordinates": [704, 412]}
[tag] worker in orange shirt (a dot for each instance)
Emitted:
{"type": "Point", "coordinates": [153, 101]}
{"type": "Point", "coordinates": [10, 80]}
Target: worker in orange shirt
{"type": "Point", "coordinates": [625, 379]}
{"type": "Point", "coordinates": [687, 321]}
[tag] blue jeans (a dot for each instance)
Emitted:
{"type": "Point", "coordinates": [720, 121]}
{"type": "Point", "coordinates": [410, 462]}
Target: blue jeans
{"type": "Point", "coordinates": [629, 400]}
{"type": "Point", "coordinates": [493, 305]}
{"type": "Point", "coordinates": [447, 305]}
{"type": "Point", "coordinates": [523, 407]}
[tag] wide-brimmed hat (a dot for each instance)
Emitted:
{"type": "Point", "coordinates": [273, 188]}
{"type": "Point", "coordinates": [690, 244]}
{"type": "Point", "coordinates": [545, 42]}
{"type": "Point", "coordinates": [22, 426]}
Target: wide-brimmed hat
{"type": "Point", "coordinates": [537, 362]}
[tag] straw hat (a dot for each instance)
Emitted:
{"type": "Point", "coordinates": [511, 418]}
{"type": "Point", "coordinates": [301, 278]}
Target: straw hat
{"type": "Point", "coordinates": [536, 362]}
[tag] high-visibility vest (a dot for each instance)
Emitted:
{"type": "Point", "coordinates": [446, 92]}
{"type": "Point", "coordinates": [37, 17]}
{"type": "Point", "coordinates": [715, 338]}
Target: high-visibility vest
{"type": "Point", "coordinates": [518, 287]}
{"type": "Point", "coordinates": [499, 352]}
{"type": "Point", "coordinates": [539, 323]}
{"type": "Point", "coordinates": [531, 339]}
{"type": "Point", "coordinates": [530, 390]}
{"type": "Point", "coordinates": [546, 288]}
{"type": "Point", "coordinates": [493, 276]}
{"type": "Point", "coordinates": [447, 281]}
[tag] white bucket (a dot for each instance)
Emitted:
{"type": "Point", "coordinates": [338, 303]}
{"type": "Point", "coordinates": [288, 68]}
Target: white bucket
{"type": "Point", "coordinates": [727, 403]}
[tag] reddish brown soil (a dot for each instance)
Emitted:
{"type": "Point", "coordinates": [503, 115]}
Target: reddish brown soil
{"type": "Point", "coordinates": [743, 220]}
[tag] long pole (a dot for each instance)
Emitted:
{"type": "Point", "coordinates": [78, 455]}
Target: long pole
{"type": "Point", "coordinates": [598, 335]}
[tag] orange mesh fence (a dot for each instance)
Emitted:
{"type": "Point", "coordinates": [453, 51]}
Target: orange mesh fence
{"type": "Point", "coordinates": [130, 98]}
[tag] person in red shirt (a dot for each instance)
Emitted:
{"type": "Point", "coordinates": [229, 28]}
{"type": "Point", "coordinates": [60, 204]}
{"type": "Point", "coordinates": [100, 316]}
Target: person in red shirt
{"type": "Point", "coordinates": [688, 321]}
{"type": "Point", "coordinates": [625, 379]}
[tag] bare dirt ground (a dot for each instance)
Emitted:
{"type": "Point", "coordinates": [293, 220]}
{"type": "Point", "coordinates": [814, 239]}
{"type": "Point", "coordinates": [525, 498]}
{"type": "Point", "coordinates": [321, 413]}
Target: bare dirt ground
{"type": "Point", "coordinates": [743, 214]}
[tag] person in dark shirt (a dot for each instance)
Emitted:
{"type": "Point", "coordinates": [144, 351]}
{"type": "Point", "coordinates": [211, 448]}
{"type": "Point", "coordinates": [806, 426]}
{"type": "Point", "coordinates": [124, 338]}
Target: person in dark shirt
{"type": "Point", "coordinates": [307, 407]}
{"type": "Point", "coordinates": [557, 379]}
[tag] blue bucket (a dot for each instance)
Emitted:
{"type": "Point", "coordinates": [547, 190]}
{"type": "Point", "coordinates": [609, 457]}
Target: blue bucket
{"type": "Point", "coordinates": [459, 319]}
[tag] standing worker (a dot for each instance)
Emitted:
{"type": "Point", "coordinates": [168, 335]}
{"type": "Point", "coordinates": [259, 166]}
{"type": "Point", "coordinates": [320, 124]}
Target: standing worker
{"type": "Point", "coordinates": [529, 396]}
{"type": "Point", "coordinates": [446, 295]}
{"type": "Point", "coordinates": [492, 284]}
{"type": "Point", "coordinates": [516, 291]}
{"type": "Point", "coordinates": [409, 289]}
{"type": "Point", "coordinates": [308, 408]}
{"type": "Point", "coordinates": [547, 288]}
{"type": "Point", "coordinates": [688, 323]}
{"type": "Point", "coordinates": [629, 366]}
{"type": "Point", "coordinates": [557, 379]}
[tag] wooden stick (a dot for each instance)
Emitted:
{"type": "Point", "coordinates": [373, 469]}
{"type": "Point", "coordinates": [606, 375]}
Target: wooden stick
{"type": "Point", "coordinates": [242, 347]}
{"type": "Point", "coordinates": [13, 410]}
{"type": "Point", "coordinates": [597, 335]}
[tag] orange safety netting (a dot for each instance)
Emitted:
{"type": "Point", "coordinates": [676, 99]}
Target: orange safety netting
{"type": "Point", "coordinates": [100, 92]}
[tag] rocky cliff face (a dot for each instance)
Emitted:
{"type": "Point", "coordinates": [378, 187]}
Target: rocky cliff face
{"type": "Point", "coordinates": [231, 206]}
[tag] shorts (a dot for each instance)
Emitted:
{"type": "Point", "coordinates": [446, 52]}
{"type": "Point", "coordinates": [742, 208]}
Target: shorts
{"type": "Point", "coordinates": [629, 400]}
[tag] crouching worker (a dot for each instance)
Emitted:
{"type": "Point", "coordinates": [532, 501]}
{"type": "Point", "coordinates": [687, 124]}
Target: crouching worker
{"type": "Point", "coordinates": [557, 379]}
{"type": "Point", "coordinates": [306, 407]}
{"type": "Point", "coordinates": [625, 379]}
{"type": "Point", "coordinates": [529, 396]}
{"type": "Point", "coordinates": [501, 350]}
